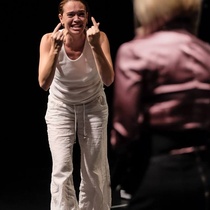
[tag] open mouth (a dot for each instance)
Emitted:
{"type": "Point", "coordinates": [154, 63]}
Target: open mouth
{"type": "Point", "coordinates": [77, 27]}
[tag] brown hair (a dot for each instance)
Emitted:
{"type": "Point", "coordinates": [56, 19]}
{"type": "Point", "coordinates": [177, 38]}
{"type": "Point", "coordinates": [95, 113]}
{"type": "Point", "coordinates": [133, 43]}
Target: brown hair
{"type": "Point", "coordinates": [63, 2]}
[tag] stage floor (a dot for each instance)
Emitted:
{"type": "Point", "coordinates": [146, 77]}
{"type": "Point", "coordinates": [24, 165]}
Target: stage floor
{"type": "Point", "coordinates": [28, 189]}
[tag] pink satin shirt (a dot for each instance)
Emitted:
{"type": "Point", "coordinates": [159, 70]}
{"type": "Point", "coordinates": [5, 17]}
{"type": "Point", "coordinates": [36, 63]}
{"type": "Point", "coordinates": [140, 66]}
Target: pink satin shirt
{"type": "Point", "coordinates": [165, 77]}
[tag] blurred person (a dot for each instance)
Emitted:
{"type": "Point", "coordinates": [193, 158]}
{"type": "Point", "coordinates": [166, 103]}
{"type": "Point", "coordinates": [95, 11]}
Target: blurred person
{"type": "Point", "coordinates": [161, 109]}
{"type": "Point", "coordinates": [74, 65]}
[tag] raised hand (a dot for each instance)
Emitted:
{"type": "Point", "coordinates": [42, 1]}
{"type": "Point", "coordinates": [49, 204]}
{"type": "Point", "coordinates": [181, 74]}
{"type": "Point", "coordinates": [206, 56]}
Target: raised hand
{"type": "Point", "coordinates": [57, 37]}
{"type": "Point", "coordinates": [93, 33]}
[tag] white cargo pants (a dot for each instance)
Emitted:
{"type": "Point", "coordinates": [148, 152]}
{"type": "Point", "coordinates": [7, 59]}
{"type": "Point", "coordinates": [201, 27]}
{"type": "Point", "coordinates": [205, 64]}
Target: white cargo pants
{"type": "Point", "coordinates": [90, 122]}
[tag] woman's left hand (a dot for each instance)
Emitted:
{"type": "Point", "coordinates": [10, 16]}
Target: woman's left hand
{"type": "Point", "coordinates": [93, 33]}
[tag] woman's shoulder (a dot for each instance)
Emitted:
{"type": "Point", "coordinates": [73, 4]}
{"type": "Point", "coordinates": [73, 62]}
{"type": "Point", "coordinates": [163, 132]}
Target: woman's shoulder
{"type": "Point", "coordinates": [46, 39]}
{"type": "Point", "coordinates": [46, 36]}
{"type": "Point", "coordinates": [45, 42]}
{"type": "Point", "coordinates": [103, 35]}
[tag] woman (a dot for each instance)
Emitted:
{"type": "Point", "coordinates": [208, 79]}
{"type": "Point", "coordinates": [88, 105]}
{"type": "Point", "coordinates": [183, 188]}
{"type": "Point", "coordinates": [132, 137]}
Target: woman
{"type": "Point", "coordinates": [161, 110]}
{"type": "Point", "coordinates": [75, 64]}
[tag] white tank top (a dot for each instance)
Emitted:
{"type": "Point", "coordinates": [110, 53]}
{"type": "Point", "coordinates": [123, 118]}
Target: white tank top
{"type": "Point", "coordinates": [76, 81]}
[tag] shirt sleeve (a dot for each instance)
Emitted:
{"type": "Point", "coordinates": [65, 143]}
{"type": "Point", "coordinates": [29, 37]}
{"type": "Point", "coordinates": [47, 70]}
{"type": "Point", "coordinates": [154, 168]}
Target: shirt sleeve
{"type": "Point", "coordinates": [127, 109]}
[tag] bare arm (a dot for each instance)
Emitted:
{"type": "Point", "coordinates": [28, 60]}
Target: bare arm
{"type": "Point", "coordinates": [50, 46]}
{"type": "Point", "coordinates": [101, 50]}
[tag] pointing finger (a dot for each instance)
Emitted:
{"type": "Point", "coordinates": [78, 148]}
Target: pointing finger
{"type": "Point", "coordinates": [57, 28]}
{"type": "Point", "coordinates": [94, 22]}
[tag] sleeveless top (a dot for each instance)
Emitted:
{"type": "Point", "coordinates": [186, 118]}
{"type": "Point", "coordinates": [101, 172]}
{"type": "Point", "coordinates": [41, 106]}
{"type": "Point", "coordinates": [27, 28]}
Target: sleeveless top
{"type": "Point", "coordinates": [76, 81]}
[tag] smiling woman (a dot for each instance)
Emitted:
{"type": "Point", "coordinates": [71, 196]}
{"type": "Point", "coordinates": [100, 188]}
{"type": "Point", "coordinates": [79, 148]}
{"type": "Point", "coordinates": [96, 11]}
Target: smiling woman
{"type": "Point", "coordinates": [74, 65]}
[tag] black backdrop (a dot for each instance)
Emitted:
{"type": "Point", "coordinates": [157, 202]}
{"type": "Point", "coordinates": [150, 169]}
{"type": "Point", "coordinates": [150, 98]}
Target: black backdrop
{"type": "Point", "coordinates": [24, 140]}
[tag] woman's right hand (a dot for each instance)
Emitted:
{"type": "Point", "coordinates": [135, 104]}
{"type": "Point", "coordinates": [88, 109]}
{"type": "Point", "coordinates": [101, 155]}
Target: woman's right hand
{"type": "Point", "coordinates": [57, 38]}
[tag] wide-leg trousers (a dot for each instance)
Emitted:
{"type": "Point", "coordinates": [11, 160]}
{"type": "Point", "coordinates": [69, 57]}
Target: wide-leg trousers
{"type": "Point", "coordinates": [88, 122]}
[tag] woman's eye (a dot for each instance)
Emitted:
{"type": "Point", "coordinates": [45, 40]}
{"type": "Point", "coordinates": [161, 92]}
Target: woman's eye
{"type": "Point", "coordinates": [79, 14]}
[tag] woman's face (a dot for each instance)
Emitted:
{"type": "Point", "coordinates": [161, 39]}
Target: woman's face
{"type": "Point", "coordinates": [74, 17]}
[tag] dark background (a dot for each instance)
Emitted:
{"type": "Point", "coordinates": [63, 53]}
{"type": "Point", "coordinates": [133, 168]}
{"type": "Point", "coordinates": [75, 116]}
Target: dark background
{"type": "Point", "coordinates": [25, 156]}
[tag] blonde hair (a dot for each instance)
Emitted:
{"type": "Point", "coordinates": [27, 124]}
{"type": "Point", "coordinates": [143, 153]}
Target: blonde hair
{"type": "Point", "coordinates": [152, 15]}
